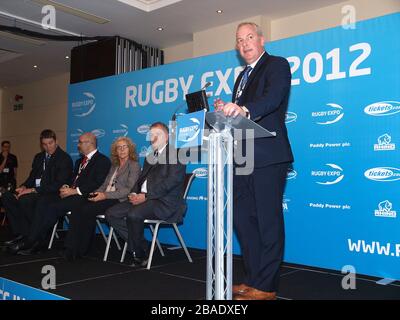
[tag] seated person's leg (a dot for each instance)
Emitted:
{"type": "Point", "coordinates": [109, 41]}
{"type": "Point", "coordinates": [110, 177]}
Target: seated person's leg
{"type": "Point", "coordinates": [45, 219]}
{"type": "Point", "coordinates": [135, 223]}
{"type": "Point", "coordinates": [116, 217]}
{"type": "Point", "coordinates": [82, 226]}
{"type": "Point", "coordinates": [19, 212]}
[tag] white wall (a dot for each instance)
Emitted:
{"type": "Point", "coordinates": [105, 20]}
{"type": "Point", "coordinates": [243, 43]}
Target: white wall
{"type": "Point", "coordinates": [329, 17]}
{"type": "Point", "coordinates": [222, 38]}
{"type": "Point", "coordinates": [45, 107]}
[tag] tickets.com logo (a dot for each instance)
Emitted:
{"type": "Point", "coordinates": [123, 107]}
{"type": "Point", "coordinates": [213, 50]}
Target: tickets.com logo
{"type": "Point", "coordinates": [383, 108]}
{"type": "Point", "coordinates": [383, 174]}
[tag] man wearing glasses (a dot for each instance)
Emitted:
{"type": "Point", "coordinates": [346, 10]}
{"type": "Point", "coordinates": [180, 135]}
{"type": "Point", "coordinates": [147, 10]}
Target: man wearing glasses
{"type": "Point", "coordinates": [89, 173]}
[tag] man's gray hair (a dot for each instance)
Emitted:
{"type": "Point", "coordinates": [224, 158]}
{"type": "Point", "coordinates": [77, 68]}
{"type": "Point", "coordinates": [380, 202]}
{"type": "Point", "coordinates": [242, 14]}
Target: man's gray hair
{"type": "Point", "coordinates": [255, 25]}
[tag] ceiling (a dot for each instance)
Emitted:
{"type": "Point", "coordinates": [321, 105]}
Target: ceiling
{"type": "Point", "coordinates": [179, 18]}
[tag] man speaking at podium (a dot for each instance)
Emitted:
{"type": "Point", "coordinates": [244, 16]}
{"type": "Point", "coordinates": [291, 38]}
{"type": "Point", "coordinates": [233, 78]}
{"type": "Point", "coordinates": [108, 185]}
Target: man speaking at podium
{"type": "Point", "coordinates": [261, 93]}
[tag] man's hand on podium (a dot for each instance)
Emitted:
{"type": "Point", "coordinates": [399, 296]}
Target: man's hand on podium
{"type": "Point", "coordinates": [229, 109]}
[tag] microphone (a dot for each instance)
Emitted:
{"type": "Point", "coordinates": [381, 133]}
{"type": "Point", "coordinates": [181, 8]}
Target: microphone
{"type": "Point", "coordinates": [181, 105]}
{"type": "Point", "coordinates": [206, 86]}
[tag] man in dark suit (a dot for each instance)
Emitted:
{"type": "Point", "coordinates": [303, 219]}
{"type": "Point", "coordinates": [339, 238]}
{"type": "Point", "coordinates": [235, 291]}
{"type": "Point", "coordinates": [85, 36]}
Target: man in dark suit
{"type": "Point", "coordinates": [158, 194]}
{"type": "Point", "coordinates": [261, 93]}
{"type": "Point", "coordinates": [51, 168]}
{"type": "Point", "coordinates": [89, 173]}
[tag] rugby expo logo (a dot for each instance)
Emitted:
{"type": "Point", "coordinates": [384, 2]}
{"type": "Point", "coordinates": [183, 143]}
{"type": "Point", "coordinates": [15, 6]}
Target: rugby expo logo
{"type": "Point", "coordinates": [385, 210]}
{"type": "Point", "coordinates": [329, 177]}
{"type": "Point", "coordinates": [201, 173]}
{"type": "Point", "coordinates": [333, 115]}
{"type": "Point", "coordinates": [143, 129]}
{"type": "Point", "coordinates": [384, 143]}
{"type": "Point", "coordinates": [99, 133]}
{"type": "Point", "coordinates": [382, 109]}
{"type": "Point", "coordinates": [290, 117]}
{"type": "Point", "coordinates": [75, 135]}
{"type": "Point", "coordinates": [85, 106]}
{"type": "Point", "coordinates": [291, 174]}
{"type": "Point", "coordinates": [122, 131]}
{"type": "Point", "coordinates": [189, 133]}
{"type": "Point", "coordinates": [383, 174]}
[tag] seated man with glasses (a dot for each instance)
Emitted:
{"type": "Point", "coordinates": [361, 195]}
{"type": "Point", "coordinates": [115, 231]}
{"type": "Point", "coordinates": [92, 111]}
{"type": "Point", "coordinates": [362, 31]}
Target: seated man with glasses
{"type": "Point", "coordinates": [121, 178]}
{"type": "Point", "coordinates": [89, 173]}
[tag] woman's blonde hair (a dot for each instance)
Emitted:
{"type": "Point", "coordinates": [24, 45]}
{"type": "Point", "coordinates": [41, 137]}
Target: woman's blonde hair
{"type": "Point", "coordinates": [131, 146]}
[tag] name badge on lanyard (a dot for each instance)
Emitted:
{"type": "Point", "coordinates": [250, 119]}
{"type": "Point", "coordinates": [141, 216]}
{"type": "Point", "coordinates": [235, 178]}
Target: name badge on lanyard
{"type": "Point", "coordinates": [37, 182]}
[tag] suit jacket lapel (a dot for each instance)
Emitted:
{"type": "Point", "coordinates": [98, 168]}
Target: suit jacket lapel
{"type": "Point", "coordinates": [121, 171]}
{"type": "Point", "coordinates": [252, 76]}
{"type": "Point", "coordinates": [90, 163]}
{"type": "Point", "coordinates": [236, 86]}
{"type": "Point", "coordinates": [147, 167]}
{"type": "Point", "coordinates": [53, 157]}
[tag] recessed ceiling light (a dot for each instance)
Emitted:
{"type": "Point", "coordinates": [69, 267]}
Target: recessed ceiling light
{"type": "Point", "coordinates": [160, 29]}
{"type": "Point", "coordinates": [219, 11]}
{"type": "Point", "coordinates": [66, 57]}
{"type": "Point", "coordinates": [35, 66]}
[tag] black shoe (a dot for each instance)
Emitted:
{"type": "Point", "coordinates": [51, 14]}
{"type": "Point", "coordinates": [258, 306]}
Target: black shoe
{"type": "Point", "coordinates": [18, 246]}
{"type": "Point", "coordinates": [15, 240]}
{"type": "Point", "coordinates": [34, 249]}
{"type": "Point", "coordinates": [139, 262]}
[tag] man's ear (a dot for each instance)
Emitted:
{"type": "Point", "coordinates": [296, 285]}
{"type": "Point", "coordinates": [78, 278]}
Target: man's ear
{"type": "Point", "coordinates": [262, 40]}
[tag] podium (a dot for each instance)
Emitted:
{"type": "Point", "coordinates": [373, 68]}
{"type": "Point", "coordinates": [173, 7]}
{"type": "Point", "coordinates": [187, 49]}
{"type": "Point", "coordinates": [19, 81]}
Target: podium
{"type": "Point", "coordinates": [220, 197]}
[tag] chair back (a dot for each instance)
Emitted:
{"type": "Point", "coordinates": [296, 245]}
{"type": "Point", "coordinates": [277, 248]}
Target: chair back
{"type": "Point", "coordinates": [187, 183]}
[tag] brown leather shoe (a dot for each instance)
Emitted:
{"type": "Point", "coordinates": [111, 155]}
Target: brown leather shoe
{"type": "Point", "coordinates": [240, 288]}
{"type": "Point", "coordinates": [255, 294]}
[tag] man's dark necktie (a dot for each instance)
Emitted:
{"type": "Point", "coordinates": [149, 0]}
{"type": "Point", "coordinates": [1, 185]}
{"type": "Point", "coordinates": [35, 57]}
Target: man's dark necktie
{"type": "Point", "coordinates": [145, 173]}
{"type": "Point", "coordinates": [242, 83]}
{"type": "Point", "coordinates": [81, 168]}
{"type": "Point", "coordinates": [46, 161]}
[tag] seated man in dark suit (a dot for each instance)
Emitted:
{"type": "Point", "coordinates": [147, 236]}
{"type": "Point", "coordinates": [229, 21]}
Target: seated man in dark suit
{"type": "Point", "coordinates": [156, 195]}
{"type": "Point", "coordinates": [51, 168]}
{"type": "Point", "coordinates": [89, 173]}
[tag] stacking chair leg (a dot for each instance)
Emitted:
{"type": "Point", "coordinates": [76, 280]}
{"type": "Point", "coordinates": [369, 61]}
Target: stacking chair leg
{"type": "Point", "coordinates": [178, 234]}
{"type": "Point", "coordinates": [158, 242]}
{"type": "Point", "coordinates": [52, 235]}
{"type": "Point", "coordinates": [116, 240]}
{"type": "Point", "coordinates": [153, 243]}
{"type": "Point", "coordinates": [110, 235]}
{"type": "Point", "coordinates": [124, 252]}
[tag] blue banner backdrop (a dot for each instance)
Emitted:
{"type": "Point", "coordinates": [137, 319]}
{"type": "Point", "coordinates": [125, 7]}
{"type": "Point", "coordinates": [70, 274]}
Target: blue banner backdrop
{"type": "Point", "coordinates": [342, 196]}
